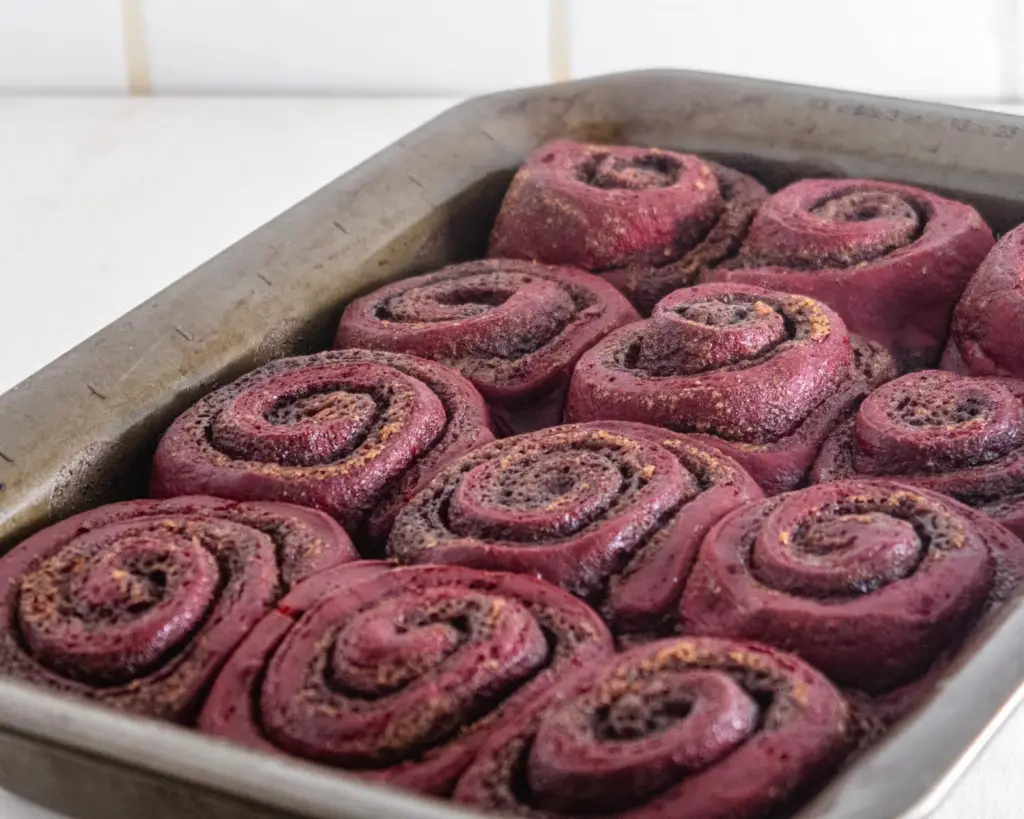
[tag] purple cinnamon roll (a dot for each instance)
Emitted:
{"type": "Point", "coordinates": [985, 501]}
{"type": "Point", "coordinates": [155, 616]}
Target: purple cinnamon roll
{"type": "Point", "coordinates": [647, 220]}
{"type": "Point", "coordinates": [353, 433]}
{"type": "Point", "coordinates": [960, 436]}
{"type": "Point", "coordinates": [400, 674]}
{"type": "Point", "coordinates": [136, 605]}
{"type": "Point", "coordinates": [869, 581]}
{"type": "Point", "coordinates": [692, 727]}
{"type": "Point", "coordinates": [613, 512]}
{"type": "Point", "coordinates": [988, 322]}
{"type": "Point", "coordinates": [762, 375]}
{"type": "Point", "coordinates": [891, 259]}
{"type": "Point", "coordinates": [514, 329]}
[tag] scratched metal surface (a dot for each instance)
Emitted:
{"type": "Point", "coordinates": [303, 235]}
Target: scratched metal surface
{"type": "Point", "coordinates": [80, 431]}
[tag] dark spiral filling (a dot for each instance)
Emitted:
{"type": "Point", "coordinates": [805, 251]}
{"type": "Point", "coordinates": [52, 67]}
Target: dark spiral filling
{"type": "Point", "coordinates": [138, 603]}
{"type": "Point", "coordinates": [320, 417]}
{"type": "Point", "coordinates": [350, 432]}
{"type": "Point", "coordinates": [530, 498]}
{"type": "Point", "coordinates": [929, 422]}
{"type": "Point", "coordinates": [627, 742]}
{"type": "Point", "coordinates": [851, 224]}
{"type": "Point", "coordinates": [401, 674]}
{"type": "Point", "coordinates": [112, 606]}
{"type": "Point", "coordinates": [869, 581]}
{"type": "Point", "coordinates": [448, 301]}
{"type": "Point", "coordinates": [609, 171]}
{"type": "Point", "coordinates": [891, 259]}
{"type": "Point", "coordinates": [532, 494]}
{"type": "Point", "coordinates": [742, 363]}
{"type": "Point", "coordinates": [662, 730]}
{"type": "Point", "coordinates": [949, 433]}
{"type": "Point", "coordinates": [513, 328]}
{"type": "Point", "coordinates": [647, 221]}
{"type": "Point", "coordinates": [686, 337]}
{"type": "Point", "coordinates": [378, 660]}
{"type": "Point", "coordinates": [509, 313]}
{"type": "Point", "coordinates": [612, 512]}
{"type": "Point", "coordinates": [843, 550]}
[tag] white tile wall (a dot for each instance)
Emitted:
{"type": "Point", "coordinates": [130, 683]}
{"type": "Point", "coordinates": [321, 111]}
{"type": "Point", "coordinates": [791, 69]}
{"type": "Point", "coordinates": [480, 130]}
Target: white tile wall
{"type": "Point", "coordinates": [65, 45]}
{"type": "Point", "coordinates": [373, 46]}
{"type": "Point", "coordinates": [940, 49]}
{"type": "Point", "coordinates": [917, 48]}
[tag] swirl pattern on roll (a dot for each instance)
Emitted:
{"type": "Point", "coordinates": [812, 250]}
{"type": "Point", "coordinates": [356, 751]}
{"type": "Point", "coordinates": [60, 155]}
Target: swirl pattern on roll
{"type": "Point", "coordinates": [953, 434]}
{"type": "Point", "coordinates": [763, 375]}
{"type": "Point", "coordinates": [400, 674]}
{"type": "Point", "coordinates": [351, 432]}
{"type": "Point", "coordinates": [137, 604]}
{"type": "Point", "coordinates": [613, 512]}
{"type": "Point", "coordinates": [514, 329]}
{"type": "Point", "coordinates": [891, 259]}
{"type": "Point", "coordinates": [648, 220]}
{"type": "Point", "coordinates": [988, 321]}
{"type": "Point", "coordinates": [869, 581]}
{"type": "Point", "coordinates": [693, 727]}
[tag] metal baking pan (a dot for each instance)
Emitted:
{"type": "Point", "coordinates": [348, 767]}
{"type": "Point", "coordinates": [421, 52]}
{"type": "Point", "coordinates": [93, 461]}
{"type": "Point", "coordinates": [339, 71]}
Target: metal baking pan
{"type": "Point", "coordinates": [80, 431]}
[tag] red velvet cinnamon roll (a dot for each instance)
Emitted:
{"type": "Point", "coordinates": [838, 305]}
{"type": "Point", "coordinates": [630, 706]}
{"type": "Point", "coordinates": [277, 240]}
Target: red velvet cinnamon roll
{"type": "Point", "coordinates": [988, 322]}
{"type": "Point", "coordinates": [763, 375]}
{"type": "Point", "coordinates": [692, 727]}
{"type": "Point", "coordinates": [514, 329]}
{"type": "Point", "coordinates": [869, 581]}
{"type": "Point", "coordinates": [400, 674]}
{"type": "Point", "coordinates": [960, 436]}
{"type": "Point", "coordinates": [136, 605]}
{"type": "Point", "coordinates": [648, 220]}
{"type": "Point", "coordinates": [610, 511]}
{"type": "Point", "coordinates": [352, 433]}
{"type": "Point", "coordinates": [892, 260]}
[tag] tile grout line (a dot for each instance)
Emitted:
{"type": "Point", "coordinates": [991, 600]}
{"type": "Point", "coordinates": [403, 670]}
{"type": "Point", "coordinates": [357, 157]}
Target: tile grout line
{"type": "Point", "coordinates": [559, 66]}
{"type": "Point", "coordinates": [136, 50]}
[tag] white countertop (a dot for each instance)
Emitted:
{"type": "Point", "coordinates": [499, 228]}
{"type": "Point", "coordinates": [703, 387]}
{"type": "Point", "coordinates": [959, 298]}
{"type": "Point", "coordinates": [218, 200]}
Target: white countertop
{"type": "Point", "coordinates": [105, 201]}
